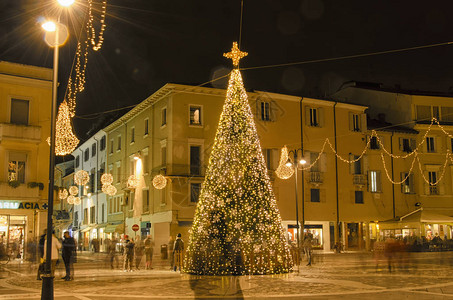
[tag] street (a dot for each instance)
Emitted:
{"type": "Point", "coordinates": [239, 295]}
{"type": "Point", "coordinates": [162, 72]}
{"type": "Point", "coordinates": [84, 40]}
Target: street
{"type": "Point", "coordinates": [332, 276]}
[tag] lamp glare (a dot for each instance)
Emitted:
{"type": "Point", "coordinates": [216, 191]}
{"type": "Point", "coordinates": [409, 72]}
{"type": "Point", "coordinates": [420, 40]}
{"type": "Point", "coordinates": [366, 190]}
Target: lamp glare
{"type": "Point", "coordinates": [49, 26]}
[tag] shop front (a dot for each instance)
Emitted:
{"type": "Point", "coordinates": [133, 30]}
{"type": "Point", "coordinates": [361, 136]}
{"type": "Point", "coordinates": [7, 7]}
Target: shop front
{"type": "Point", "coordinates": [318, 230]}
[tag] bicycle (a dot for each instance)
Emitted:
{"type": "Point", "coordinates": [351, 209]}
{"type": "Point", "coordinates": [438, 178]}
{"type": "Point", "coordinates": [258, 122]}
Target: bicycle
{"type": "Point", "coordinates": [4, 258]}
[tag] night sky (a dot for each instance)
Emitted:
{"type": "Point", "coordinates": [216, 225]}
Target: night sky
{"type": "Point", "coordinates": [149, 43]}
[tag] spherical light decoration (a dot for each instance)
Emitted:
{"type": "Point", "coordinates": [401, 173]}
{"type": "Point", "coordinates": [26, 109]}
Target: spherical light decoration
{"type": "Point", "coordinates": [81, 177]}
{"type": "Point", "coordinates": [77, 201]}
{"type": "Point", "coordinates": [132, 182]}
{"type": "Point", "coordinates": [159, 182]}
{"type": "Point", "coordinates": [63, 194]}
{"type": "Point", "coordinates": [73, 190]}
{"type": "Point", "coordinates": [106, 178]}
{"type": "Point", "coordinates": [283, 171]}
{"type": "Point", "coordinates": [70, 199]}
{"type": "Point", "coordinates": [110, 190]}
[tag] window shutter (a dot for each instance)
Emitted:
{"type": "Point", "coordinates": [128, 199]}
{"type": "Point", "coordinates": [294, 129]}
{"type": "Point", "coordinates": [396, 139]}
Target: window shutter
{"type": "Point", "coordinates": [307, 195]}
{"type": "Point", "coordinates": [426, 184]}
{"type": "Point", "coordinates": [401, 143]}
{"type": "Point", "coordinates": [323, 162]}
{"type": "Point", "coordinates": [351, 121]}
{"type": "Point", "coordinates": [321, 117]}
{"type": "Point", "coordinates": [413, 144]}
{"type": "Point", "coordinates": [351, 165]}
{"type": "Point", "coordinates": [365, 164]}
{"type": "Point", "coordinates": [275, 158]}
{"type": "Point", "coordinates": [307, 158]}
{"type": "Point", "coordinates": [378, 181]}
{"type": "Point", "coordinates": [382, 139]}
{"type": "Point", "coordinates": [322, 195]}
{"type": "Point", "coordinates": [401, 179]}
{"type": "Point", "coordinates": [307, 115]}
{"type": "Point", "coordinates": [368, 181]}
{"type": "Point", "coordinates": [412, 183]}
{"type": "Point", "coordinates": [363, 125]}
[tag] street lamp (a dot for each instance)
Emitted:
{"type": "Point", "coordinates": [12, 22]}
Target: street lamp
{"type": "Point", "coordinates": [56, 35]}
{"type": "Point", "coordinates": [297, 161]}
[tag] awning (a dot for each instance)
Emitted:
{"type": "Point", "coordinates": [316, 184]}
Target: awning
{"type": "Point", "coordinates": [86, 229]}
{"type": "Point", "coordinates": [119, 228]}
{"type": "Point", "coordinates": [110, 228]}
{"type": "Point", "coordinates": [425, 216]}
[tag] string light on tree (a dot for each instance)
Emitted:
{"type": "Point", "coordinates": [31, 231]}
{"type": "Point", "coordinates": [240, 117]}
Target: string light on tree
{"type": "Point", "coordinates": [237, 212]}
{"type": "Point", "coordinates": [159, 182]}
{"type": "Point", "coordinates": [81, 177]}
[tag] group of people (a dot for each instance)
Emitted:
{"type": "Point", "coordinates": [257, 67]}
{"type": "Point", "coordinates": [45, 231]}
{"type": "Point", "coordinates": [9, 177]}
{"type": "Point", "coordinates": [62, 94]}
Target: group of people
{"type": "Point", "coordinates": [68, 253]}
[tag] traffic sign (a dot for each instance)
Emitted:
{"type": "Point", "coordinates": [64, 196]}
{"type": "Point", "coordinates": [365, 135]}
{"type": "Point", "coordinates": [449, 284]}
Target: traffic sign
{"type": "Point", "coordinates": [135, 227]}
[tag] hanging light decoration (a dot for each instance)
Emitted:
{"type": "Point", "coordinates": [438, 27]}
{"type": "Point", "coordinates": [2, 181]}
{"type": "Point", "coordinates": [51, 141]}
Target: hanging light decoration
{"type": "Point", "coordinates": [106, 179]}
{"type": "Point", "coordinates": [132, 182]}
{"type": "Point", "coordinates": [159, 182]}
{"type": "Point", "coordinates": [73, 190]}
{"type": "Point", "coordinates": [63, 194]}
{"type": "Point", "coordinates": [81, 177]}
{"type": "Point", "coordinates": [70, 199]}
{"type": "Point", "coordinates": [109, 190]}
{"type": "Point", "coordinates": [284, 171]}
{"type": "Point", "coordinates": [77, 201]}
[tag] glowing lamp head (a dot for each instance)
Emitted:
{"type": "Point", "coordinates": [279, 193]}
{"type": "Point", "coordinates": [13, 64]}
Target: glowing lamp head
{"type": "Point", "coordinates": [49, 26]}
{"type": "Point", "coordinates": [66, 3]}
{"type": "Point", "coordinates": [136, 157]}
{"type": "Point", "coordinates": [288, 163]}
{"type": "Point", "coordinates": [302, 161]}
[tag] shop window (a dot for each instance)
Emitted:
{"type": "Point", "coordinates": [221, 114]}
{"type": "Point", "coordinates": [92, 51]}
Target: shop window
{"type": "Point", "coordinates": [265, 111]}
{"type": "Point", "coordinates": [194, 192]}
{"type": "Point", "coordinates": [103, 143]}
{"type": "Point", "coordinates": [358, 197]}
{"type": "Point", "coordinates": [195, 115]}
{"type": "Point", "coordinates": [93, 149]}
{"type": "Point", "coordinates": [195, 161]}
{"type": "Point", "coordinates": [19, 111]}
{"type": "Point", "coordinates": [17, 167]}
{"type": "Point", "coordinates": [86, 154]}
{"type": "Point", "coordinates": [430, 144]}
{"type": "Point", "coordinates": [315, 195]}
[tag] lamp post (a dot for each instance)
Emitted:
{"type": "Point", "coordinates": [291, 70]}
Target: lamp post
{"type": "Point", "coordinates": [56, 35]}
{"type": "Point", "coordinates": [296, 162]}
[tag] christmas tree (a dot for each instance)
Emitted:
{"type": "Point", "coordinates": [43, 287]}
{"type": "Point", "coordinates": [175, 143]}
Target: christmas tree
{"type": "Point", "coordinates": [237, 227]}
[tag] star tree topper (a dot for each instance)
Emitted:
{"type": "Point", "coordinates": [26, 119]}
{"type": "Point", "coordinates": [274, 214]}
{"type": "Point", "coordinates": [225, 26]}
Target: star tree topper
{"type": "Point", "coordinates": [235, 54]}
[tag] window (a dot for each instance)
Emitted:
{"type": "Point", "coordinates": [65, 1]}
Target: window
{"type": "Point", "coordinates": [195, 162]}
{"type": "Point", "coordinates": [268, 158]}
{"type": "Point", "coordinates": [407, 145]}
{"type": "Point", "coordinates": [16, 167]}
{"type": "Point", "coordinates": [407, 187]}
{"type": "Point", "coordinates": [355, 122]}
{"type": "Point", "coordinates": [76, 219]}
{"type": "Point", "coordinates": [92, 215]}
{"type": "Point", "coordinates": [145, 163]}
{"type": "Point", "coordinates": [146, 126]}
{"type": "Point", "coordinates": [100, 173]}
{"type": "Point", "coordinates": [111, 146]}
{"type": "Point", "coordinates": [430, 144]}
{"type": "Point", "coordinates": [131, 200]}
{"type": "Point", "coordinates": [163, 197]}
{"type": "Point", "coordinates": [423, 113]}
{"type": "Point", "coordinates": [93, 149]}
{"type": "Point", "coordinates": [163, 156]}
{"type": "Point", "coordinates": [194, 192]}
{"type": "Point", "coordinates": [433, 188]}
{"type": "Point", "coordinates": [375, 181]}
{"type": "Point", "coordinates": [118, 172]}
{"type": "Point", "coordinates": [92, 180]}
{"type": "Point", "coordinates": [265, 111]}
{"type": "Point", "coordinates": [447, 114]}
{"type": "Point", "coordinates": [315, 195]}
{"type": "Point", "coordinates": [119, 143]}
{"type": "Point", "coordinates": [86, 154]}
{"type": "Point", "coordinates": [132, 135]}
{"type": "Point", "coordinates": [164, 116]}
{"type": "Point", "coordinates": [195, 115]}
{"type": "Point", "coordinates": [357, 165]}
{"type": "Point", "coordinates": [145, 197]}
{"type": "Point", "coordinates": [19, 111]}
{"type": "Point", "coordinates": [314, 157]}
{"type": "Point", "coordinates": [85, 216]}
{"type": "Point", "coordinates": [314, 117]}
{"type": "Point", "coordinates": [77, 161]}
{"type": "Point", "coordinates": [102, 213]}
{"type": "Point", "coordinates": [102, 146]}
{"type": "Point", "coordinates": [358, 197]}
{"type": "Point", "coordinates": [374, 144]}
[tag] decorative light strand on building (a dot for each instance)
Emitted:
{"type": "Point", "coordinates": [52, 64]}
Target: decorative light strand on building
{"type": "Point", "coordinates": [65, 140]}
{"type": "Point", "coordinates": [408, 172]}
{"type": "Point", "coordinates": [283, 171]}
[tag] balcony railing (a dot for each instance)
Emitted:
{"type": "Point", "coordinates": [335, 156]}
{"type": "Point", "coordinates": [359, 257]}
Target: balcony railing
{"type": "Point", "coordinates": [433, 190]}
{"type": "Point", "coordinates": [23, 133]}
{"type": "Point", "coordinates": [359, 179]}
{"type": "Point", "coordinates": [315, 177]}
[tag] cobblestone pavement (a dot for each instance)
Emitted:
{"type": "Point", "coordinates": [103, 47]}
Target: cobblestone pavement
{"type": "Point", "coordinates": [343, 276]}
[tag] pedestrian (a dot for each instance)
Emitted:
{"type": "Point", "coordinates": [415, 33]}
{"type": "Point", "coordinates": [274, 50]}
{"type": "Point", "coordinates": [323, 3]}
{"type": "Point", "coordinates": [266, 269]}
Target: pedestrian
{"type": "Point", "coordinates": [69, 255]}
{"type": "Point", "coordinates": [56, 246]}
{"type": "Point", "coordinates": [149, 249]}
{"type": "Point", "coordinates": [171, 245]}
{"type": "Point", "coordinates": [128, 255]}
{"type": "Point", "coordinates": [177, 252]}
{"type": "Point", "coordinates": [111, 250]}
{"type": "Point", "coordinates": [139, 250]}
{"type": "Point", "coordinates": [308, 247]}
{"type": "Point", "coordinates": [41, 242]}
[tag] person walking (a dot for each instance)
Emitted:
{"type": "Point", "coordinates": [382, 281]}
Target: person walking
{"type": "Point", "coordinates": [139, 250]}
{"type": "Point", "coordinates": [149, 249]}
{"type": "Point", "coordinates": [128, 255]}
{"type": "Point", "coordinates": [111, 250]}
{"type": "Point", "coordinates": [177, 252]}
{"type": "Point", "coordinates": [56, 246]}
{"type": "Point", "coordinates": [308, 247]}
{"type": "Point", "coordinates": [41, 242]}
{"type": "Point", "coordinates": [171, 246]}
{"type": "Point", "coordinates": [69, 255]}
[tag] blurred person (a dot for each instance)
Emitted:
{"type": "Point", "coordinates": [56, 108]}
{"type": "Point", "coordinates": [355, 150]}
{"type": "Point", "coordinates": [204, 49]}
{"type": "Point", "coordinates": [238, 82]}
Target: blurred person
{"type": "Point", "coordinates": [149, 249]}
{"type": "Point", "coordinates": [111, 252]}
{"type": "Point", "coordinates": [177, 252]}
{"type": "Point", "coordinates": [42, 240]}
{"type": "Point", "coordinates": [69, 255]}
{"type": "Point", "coordinates": [31, 250]}
{"type": "Point", "coordinates": [308, 240]}
{"type": "Point", "coordinates": [128, 255]}
{"type": "Point", "coordinates": [56, 246]}
{"type": "Point", "coordinates": [138, 251]}
{"type": "Point", "coordinates": [171, 246]}
{"type": "Point", "coordinates": [390, 248]}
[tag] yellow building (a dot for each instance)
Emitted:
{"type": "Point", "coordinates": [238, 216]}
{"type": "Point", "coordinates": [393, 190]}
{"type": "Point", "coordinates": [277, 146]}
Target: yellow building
{"type": "Point", "coordinates": [25, 99]}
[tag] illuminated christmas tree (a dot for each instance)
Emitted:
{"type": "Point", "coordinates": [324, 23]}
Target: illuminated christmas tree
{"type": "Point", "coordinates": [237, 227]}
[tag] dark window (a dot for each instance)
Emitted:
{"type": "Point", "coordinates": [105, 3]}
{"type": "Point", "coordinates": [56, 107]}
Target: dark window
{"type": "Point", "coordinates": [101, 171]}
{"type": "Point", "coordinates": [77, 161]}
{"type": "Point", "coordinates": [374, 144]}
{"type": "Point", "coordinates": [92, 180]}
{"type": "Point", "coordinates": [195, 115]}
{"type": "Point", "coordinates": [93, 150]}
{"type": "Point", "coordinates": [132, 135]}
{"type": "Point", "coordinates": [146, 126]}
{"type": "Point", "coordinates": [406, 145]}
{"type": "Point", "coordinates": [355, 122]}
{"type": "Point", "coordinates": [194, 192]}
{"type": "Point", "coordinates": [430, 147]}
{"type": "Point", "coordinates": [359, 197]}
{"type": "Point", "coordinates": [195, 162]}
{"type": "Point", "coordinates": [265, 111]}
{"type": "Point", "coordinates": [407, 187]}
{"type": "Point", "coordinates": [111, 146]}
{"type": "Point", "coordinates": [314, 195]}
{"type": "Point", "coordinates": [145, 194]}
{"type": "Point", "coordinates": [19, 111]}
{"type": "Point", "coordinates": [164, 116]}
{"type": "Point", "coordinates": [103, 213]}
{"type": "Point", "coordinates": [102, 143]}
{"type": "Point", "coordinates": [86, 154]}
{"type": "Point", "coordinates": [76, 219]}
{"type": "Point", "coordinates": [119, 143]}
{"type": "Point", "coordinates": [92, 214]}
{"type": "Point", "coordinates": [357, 165]}
{"type": "Point", "coordinates": [314, 117]}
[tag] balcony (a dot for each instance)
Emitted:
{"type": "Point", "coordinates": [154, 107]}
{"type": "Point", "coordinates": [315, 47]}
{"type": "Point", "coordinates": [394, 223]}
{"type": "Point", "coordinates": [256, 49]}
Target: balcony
{"type": "Point", "coordinates": [20, 133]}
{"type": "Point", "coordinates": [22, 192]}
{"type": "Point", "coordinates": [315, 178]}
{"type": "Point", "coordinates": [359, 180]}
